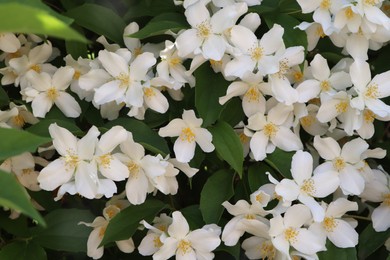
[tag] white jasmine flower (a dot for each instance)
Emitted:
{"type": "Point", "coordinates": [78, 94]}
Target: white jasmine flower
{"type": "Point", "coordinates": [46, 90]}
{"type": "Point", "coordinates": [189, 132]}
{"type": "Point", "coordinates": [9, 42]}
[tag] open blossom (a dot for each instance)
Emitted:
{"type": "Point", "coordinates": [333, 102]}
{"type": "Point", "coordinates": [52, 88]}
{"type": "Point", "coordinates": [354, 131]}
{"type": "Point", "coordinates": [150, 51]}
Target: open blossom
{"type": "Point", "coordinates": [190, 133]}
{"type": "Point", "coordinates": [46, 90]}
{"type": "Point", "coordinates": [186, 244]}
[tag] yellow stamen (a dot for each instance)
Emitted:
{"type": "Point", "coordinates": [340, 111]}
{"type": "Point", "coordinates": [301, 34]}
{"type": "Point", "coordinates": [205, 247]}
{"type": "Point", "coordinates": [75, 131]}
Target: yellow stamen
{"type": "Point", "coordinates": [76, 74]}
{"type": "Point", "coordinates": [174, 61]}
{"type": "Point", "coordinates": [18, 120]}
{"type": "Point", "coordinates": [267, 250]}
{"type": "Point", "coordinates": [137, 51]}
{"type": "Point", "coordinates": [386, 199]}
{"type": "Point", "coordinates": [250, 216]}
{"type": "Point", "coordinates": [291, 234]}
{"type": "Point", "coordinates": [71, 160]}
{"type": "Point", "coordinates": [111, 211]}
{"type": "Point", "coordinates": [216, 63]}
{"type": "Point", "coordinates": [307, 121]}
{"type": "Point", "coordinates": [184, 246]}
{"type": "Point", "coordinates": [270, 130]}
{"type": "Point", "coordinates": [349, 13]}
{"type": "Point", "coordinates": [325, 4]}
{"type": "Point", "coordinates": [243, 138]}
{"type": "Point", "coordinates": [204, 30]}
{"type": "Point", "coordinates": [342, 107]}
{"type": "Point", "coordinates": [371, 92]}
{"type": "Point", "coordinates": [105, 160]}
{"type": "Point", "coordinates": [256, 53]}
{"type": "Point", "coordinates": [369, 116]}
{"type": "Point", "coordinates": [253, 94]}
{"type": "Point", "coordinates": [187, 135]}
{"type": "Point", "coordinates": [52, 93]}
{"type": "Point", "coordinates": [36, 67]}
{"type": "Point", "coordinates": [308, 187]}
{"type": "Point", "coordinates": [102, 231]}
{"type": "Point", "coordinates": [133, 169]}
{"type": "Point", "coordinates": [298, 76]}
{"type": "Point", "coordinates": [149, 92]}
{"type": "Point", "coordinates": [325, 85]}
{"type": "Point", "coordinates": [339, 163]}
{"type": "Point", "coordinates": [320, 32]}
{"type": "Point", "coordinates": [329, 224]}
{"type": "Point", "coordinates": [157, 242]}
{"type": "Point", "coordinates": [124, 80]}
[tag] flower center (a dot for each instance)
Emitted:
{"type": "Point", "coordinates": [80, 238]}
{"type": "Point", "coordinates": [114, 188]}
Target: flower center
{"type": "Point", "coordinates": [243, 138]}
{"type": "Point", "coordinates": [133, 169]}
{"type": "Point", "coordinates": [320, 32]}
{"type": "Point", "coordinates": [325, 4]}
{"type": "Point", "coordinates": [339, 163]}
{"type": "Point", "coordinates": [267, 250]}
{"type": "Point", "coordinates": [216, 63]}
{"type": "Point", "coordinates": [76, 74]}
{"type": "Point", "coordinates": [71, 160]}
{"type": "Point", "coordinates": [105, 160]}
{"type": "Point", "coordinates": [204, 30]}
{"type": "Point", "coordinates": [329, 224]}
{"type": "Point", "coordinates": [349, 13]}
{"type": "Point", "coordinates": [342, 107]}
{"type": "Point", "coordinates": [18, 120]}
{"type": "Point", "coordinates": [252, 94]}
{"type": "Point", "coordinates": [27, 171]}
{"type": "Point", "coordinates": [298, 76]}
{"type": "Point", "coordinates": [250, 216]}
{"type": "Point", "coordinates": [371, 92]}
{"type": "Point", "coordinates": [124, 80]}
{"type": "Point", "coordinates": [270, 130]}
{"type": "Point", "coordinates": [157, 242]}
{"type": "Point", "coordinates": [256, 53]}
{"type": "Point", "coordinates": [149, 92]}
{"type": "Point", "coordinates": [307, 121]}
{"type": "Point", "coordinates": [102, 231]}
{"type": "Point", "coordinates": [174, 61]}
{"type": "Point", "coordinates": [52, 93]}
{"type": "Point", "coordinates": [325, 85]}
{"type": "Point", "coordinates": [386, 199]}
{"type": "Point", "coordinates": [369, 116]}
{"type": "Point", "coordinates": [111, 211]}
{"type": "Point", "coordinates": [187, 135]}
{"type": "Point", "coordinates": [283, 67]}
{"type": "Point", "coordinates": [36, 67]}
{"type": "Point", "coordinates": [308, 187]}
{"type": "Point", "coordinates": [184, 246]}
{"type": "Point", "coordinates": [291, 234]}
{"type": "Point", "coordinates": [371, 2]}
{"type": "Point", "coordinates": [137, 51]}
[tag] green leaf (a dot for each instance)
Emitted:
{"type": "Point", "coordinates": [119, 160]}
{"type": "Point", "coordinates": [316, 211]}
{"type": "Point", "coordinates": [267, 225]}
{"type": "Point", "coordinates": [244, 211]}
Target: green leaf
{"type": "Point", "coordinates": [228, 145]}
{"type": "Point", "coordinates": [63, 232]}
{"type": "Point", "coordinates": [14, 196]}
{"type": "Point", "coordinates": [281, 162]}
{"type": "Point", "coordinates": [23, 18]}
{"type": "Point", "coordinates": [126, 222]}
{"type": "Point", "coordinates": [142, 134]}
{"type": "Point", "coordinates": [232, 112]}
{"type": "Point", "coordinates": [99, 20]}
{"type": "Point", "coordinates": [291, 36]}
{"type": "Point", "coordinates": [4, 99]}
{"type": "Point", "coordinates": [370, 241]}
{"type": "Point", "coordinates": [232, 250]}
{"type": "Point", "coordinates": [76, 49]}
{"type": "Point", "coordinates": [150, 8]}
{"type": "Point", "coordinates": [257, 176]}
{"type": "Point", "coordinates": [160, 24]}
{"type": "Point", "coordinates": [334, 252]}
{"type": "Point", "coordinates": [17, 227]}
{"type": "Point", "coordinates": [22, 251]}
{"type": "Point", "coordinates": [42, 127]}
{"type": "Point", "coordinates": [209, 87]}
{"type": "Point", "coordinates": [217, 189]}
{"type": "Point", "coordinates": [193, 215]}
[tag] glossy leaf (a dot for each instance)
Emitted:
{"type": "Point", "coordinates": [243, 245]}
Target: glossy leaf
{"type": "Point", "coordinates": [209, 87]}
{"type": "Point", "coordinates": [232, 112]}
{"type": "Point", "coordinates": [217, 189]}
{"type": "Point", "coordinates": [370, 241]}
{"type": "Point", "coordinates": [193, 215]}
{"type": "Point", "coordinates": [42, 127]}
{"type": "Point", "coordinates": [4, 99]}
{"type": "Point", "coordinates": [14, 196]}
{"type": "Point", "coordinates": [142, 134]}
{"type": "Point", "coordinates": [100, 20]}
{"type": "Point", "coordinates": [281, 162]}
{"type": "Point", "coordinates": [63, 232]}
{"type": "Point", "coordinates": [126, 222]}
{"type": "Point", "coordinates": [228, 145]}
{"type": "Point", "coordinates": [257, 175]}
{"type": "Point", "coordinates": [334, 252]}
{"type": "Point", "coordinates": [22, 250]}
{"type": "Point", "coordinates": [23, 18]}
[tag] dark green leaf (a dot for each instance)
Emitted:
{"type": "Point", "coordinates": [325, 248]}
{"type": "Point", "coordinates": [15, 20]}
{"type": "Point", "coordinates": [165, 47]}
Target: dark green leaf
{"type": "Point", "coordinates": [17, 227]}
{"type": "Point", "coordinates": [4, 100]}
{"type": "Point", "coordinates": [142, 134]}
{"type": "Point", "coordinates": [334, 252]}
{"type": "Point", "coordinates": [370, 241]}
{"type": "Point", "coordinates": [217, 189]}
{"type": "Point", "coordinates": [193, 216]}
{"type": "Point", "coordinates": [233, 113]}
{"type": "Point", "coordinates": [267, 6]}
{"type": "Point", "coordinates": [99, 20]}
{"type": "Point", "coordinates": [281, 162]}
{"type": "Point", "coordinates": [160, 24]}
{"type": "Point", "coordinates": [232, 250]}
{"type": "Point", "coordinates": [209, 87]}
{"type": "Point", "coordinates": [14, 196]}
{"type": "Point", "coordinates": [291, 36]}
{"type": "Point", "coordinates": [150, 8]}
{"type": "Point", "coordinates": [126, 222]}
{"type": "Point", "coordinates": [25, 18]}
{"type": "Point", "coordinates": [22, 251]}
{"type": "Point", "coordinates": [257, 176]}
{"type": "Point", "coordinates": [76, 49]}
{"type": "Point", "coordinates": [42, 127]}
{"type": "Point", "coordinates": [228, 145]}
{"type": "Point", "coordinates": [63, 232]}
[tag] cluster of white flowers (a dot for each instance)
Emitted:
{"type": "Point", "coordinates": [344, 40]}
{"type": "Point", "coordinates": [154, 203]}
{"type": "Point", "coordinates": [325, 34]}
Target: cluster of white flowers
{"type": "Point", "coordinates": [281, 95]}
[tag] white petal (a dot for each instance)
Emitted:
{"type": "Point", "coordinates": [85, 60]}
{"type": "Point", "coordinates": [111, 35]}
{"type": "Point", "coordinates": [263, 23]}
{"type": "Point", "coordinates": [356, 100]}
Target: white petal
{"type": "Point", "coordinates": [187, 42]}
{"type": "Point", "coordinates": [167, 250]}
{"type": "Point", "coordinates": [360, 74]}
{"type": "Point", "coordinates": [113, 63]}
{"type": "Point", "coordinates": [239, 66]}
{"type": "Point", "coordinates": [301, 166]}
{"type": "Point", "coordinates": [68, 105]}
{"type": "Point", "coordinates": [307, 90]}
{"type": "Point", "coordinates": [343, 235]}
{"type": "Point", "coordinates": [307, 242]}
{"type": "Point", "coordinates": [94, 240]}
{"type": "Point", "coordinates": [351, 181]}
{"type": "Point", "coordinates": [54, 175]}
{"type": "Point", "coordinates": [140, 66]}
{"type": "Point", "coordinates": [214, 47]}
{"type": "Point", "coordinates": [380, 218]}
{"type": "Point", "coordinates": [112, 138]}
{"type": "Point", "coordinates": [319, 68]}
{"type": "Point", "coordinates": [204, 240]}
{"type": "Point", "coordinates": [357, 47]}
{"type": "Point", "coordinates": [9, 42]}
{"type": "Point", "coordinates": [383, 82]}
{"type": "Point", "coordinates": [288, 189]}
{"type": "Point", "coordinates": [174, 128]}
{"type": "Point", "coordinates": [115, 170]}
{"type": "Point", "coordinates": [325, 183]}
{"type": "Point", "coordinates": [40, 82]}
{"type": "Point", "coordinates": [63, 140]}
{"type": "Point", "coordinates": [86, 180]}
{"type": "Point", "coordinates": [157, 101]}
{"type": "Point", "coordinates": [109, 91]}
{"type": "Point", "coordinates": [272, 40]}
{"type": "Point", "coordinates": [126, 246]}
{"type": "Point", "coordinates": [296, 216]}
{"type": "Point", "coordinates": [327, 147]}
{"type": "Point", "coordinates": [317, 211]}
{"type": "Point", "coordinates": [286, 140]}
{"type": "Point", "coordinates": [203, 138]}
{"type": "Point", "coordinates": [179, 227]}
{"type": "Point", "coordinates": [353, 150]}
{"type": "Point", "coordinates": [184, 150]}
{"type": "Point", "coordinates": [243, 38]}
{"type": "Point", "coordinates": [136, 188]}
{"type": "Point", "coordinates": [86, 145]}
{"type": "Point", "coordinates": [258, 145]}
{"type": "Point", "coordinates": [41, 105]}
{"type": "Point", "coordinates": [378, 107]}
{"type": "Point", "coordinates": [197, 13]}
{"type": "Point", "coordinates": [62, 78]}
{"type": "Point", "coordinates": [340, 206]}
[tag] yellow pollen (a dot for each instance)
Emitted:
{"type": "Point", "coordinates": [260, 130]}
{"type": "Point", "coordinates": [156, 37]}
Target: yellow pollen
{"type": "Point", "coordinates": [52, 93]}
{"type": "Point", "coordinates": [71, 160]}
{"type": "Point", "coordinates": [18, 120]}
{"type": "Point", "coordinates": [270, 130]}
{"type": "Point", "coordinates": [204, 30]}
{"type": "Point", "coordinates": [252, 94]}
{"type": "Point", "coordinates": [283, 67]}
{"type": "Point", "coordinates": [184, 246]}
{"type": "Point", "coordinates": [27, 171]}
{"type": "Point", "coordinates": [111, 211]}
{"type": "Point", "coordinates": [243, 138]}
{"type": "Point", "coordinates": [256, 53]}
{"type": "Point", "coordinates": [149, 92]}
{"type": "Point", "coordinates": [342, 107]}
{"type": "Point", "coordinates": [174, 61]}
{"type": "Point", "coordinates": [133, 169]}
{"type": "Point", "coordinates": [325, 86]}
{"type": "Point", "coordinates": [349, 13]}
{"type": "Point", "coordinates": [307, 121]}
{"type": "Point", "coordinates": [102, 231]}
{"type": "Point", "coordinates": [298, 76]}
{"type": "Point", "coordinates": [216, 62]}
{"type": "Point", "coordinates": [13, 55]}
{"type": "Point", "coordinates": [371, 2]}
{"type": "Point", "coordinates": [163, 228]}
{"type": "Point", "coordinates": [369, 116]}
{"type": "Point", "coordinates": [267, 250]}
{"type": "Point", "coordinates": [124, 80]}
{"type": "Point", "coordinates": [278, 197]}
{"type": "Point", "coordinates": [250, 216]}
{"type": "Point", "coordinates": [315, 101]}
{"type": "Point", "coordinates": [320, 32]}
{"type": "Point", "coordinates": [339, 163]}
{"type": "Point", "coordinates": [76, 74]}
{"type": "Point", "coordinates": [157, 242]}
{"type": "Point", "coordinates": [36, 67]}
{"type": "Point", "coordinates": [137, 51]}
{"type": "Point", "coordinates": [187, 135]}
{"type": "Point", "coordinates": [325, 4]}
{"type": "Point", "coordinates": [259, 198]}
{"type": "Point", "coordinates": [329, 224]}
{"type": "Point", "coordinates": [371, 92]}
{"type": "Point", "coordinates": [308, 187]}
{"type": "Point", "coordinates": [386, 199]}
{"type": "Point", "coordinates": [291, 234]}
{"type": "Point", "coordinates": [105, 160]}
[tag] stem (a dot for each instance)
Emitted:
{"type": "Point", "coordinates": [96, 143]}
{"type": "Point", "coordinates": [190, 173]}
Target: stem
{"type": "Point", "coordinates": [358, 217]}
